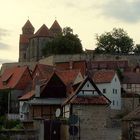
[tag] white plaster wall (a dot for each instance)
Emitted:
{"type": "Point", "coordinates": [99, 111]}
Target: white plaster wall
{"type": "Point", "coordinates": [79, 78]}
{"type": "Point", "coordinates": [115, 84]}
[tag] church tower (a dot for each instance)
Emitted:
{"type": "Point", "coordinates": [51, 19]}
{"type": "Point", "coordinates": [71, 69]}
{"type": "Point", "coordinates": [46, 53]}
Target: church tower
{"type": "Point", "coordinates": [55, 28]}
{"type": "Point", "coordinates": [27, 32]}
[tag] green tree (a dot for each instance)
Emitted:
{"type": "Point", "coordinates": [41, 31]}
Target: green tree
{"type": "Point", "coordinates": [137, 49]}
{"type": "Point", "coordinates": [65, 43]}
{"type": "Point", "coordinates": [116, 41]}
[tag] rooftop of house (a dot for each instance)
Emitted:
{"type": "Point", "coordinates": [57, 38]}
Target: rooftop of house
{"type": "Point", "coordinates": [131, 78]}
{"type": "Point", "coordinates": [94, 100]}
{"type": "Point", "coordinates": [68, 76]}
{"type": "Point", "coordinates": [81, 65]}
{"type": "Point", "coordinates": [103, 76]}
{"type": "Point", "coordinates": [44, 71]}
{"type": "Point", "coordinates": [11, 77]}
{"type": "Point", "coordinates": [27, 96]}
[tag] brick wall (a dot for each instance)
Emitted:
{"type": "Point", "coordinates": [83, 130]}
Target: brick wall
{"type": "Point", "coordinates": [93, 121]}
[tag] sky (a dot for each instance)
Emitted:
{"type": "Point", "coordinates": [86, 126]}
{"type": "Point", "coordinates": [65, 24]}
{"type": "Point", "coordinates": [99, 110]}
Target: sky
{"type": "Point", "coordinates": [87, 18]}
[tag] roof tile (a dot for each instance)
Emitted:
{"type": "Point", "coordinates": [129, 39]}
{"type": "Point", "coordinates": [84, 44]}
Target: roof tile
{"type": "Point", "coordinates": [103, 76]}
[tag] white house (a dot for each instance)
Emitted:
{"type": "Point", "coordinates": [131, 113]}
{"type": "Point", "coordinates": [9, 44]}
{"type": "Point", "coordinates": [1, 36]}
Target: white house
{"type": "Point", "coordinates": [109, 84]}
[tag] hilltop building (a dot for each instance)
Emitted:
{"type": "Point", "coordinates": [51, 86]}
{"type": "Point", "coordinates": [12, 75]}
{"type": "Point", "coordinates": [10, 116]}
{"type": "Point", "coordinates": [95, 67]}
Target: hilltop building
{"type": "Point", "coordinates": [31, 44]}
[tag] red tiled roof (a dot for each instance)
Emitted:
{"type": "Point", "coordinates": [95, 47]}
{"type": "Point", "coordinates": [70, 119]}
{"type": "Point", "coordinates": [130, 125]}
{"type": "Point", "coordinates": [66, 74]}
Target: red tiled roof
{"type": "Point", "coordinates": [56, 26]}
{"type": "Point", "coordinates": [103, 76]}
{"type": "Point", "coordinates": [68, 76]}
{"type": "Point", "coordinates": [27, 96]}
{"type": "Point", "coordinates": [131, 78]}
{"type": "Point", "coordinates": [44, 71]}
{"type": "Point", "coordinates": [15, 77]}
{"type": "Point", "coordinates": [90, 100]}
{"type": "Point", "coordinates": [43, 32]}
{"type": "Point", "coordinates": [81, 65]}
{"type": "Point", "coordinates": [27, 25]}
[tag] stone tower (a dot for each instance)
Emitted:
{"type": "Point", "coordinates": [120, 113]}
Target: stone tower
{"type": "Point", "coordinates": [31, 44]}
{"type": "Point", "coordinates": [27, 32]}
{"type": "Point", "coordinates": [37, 42]}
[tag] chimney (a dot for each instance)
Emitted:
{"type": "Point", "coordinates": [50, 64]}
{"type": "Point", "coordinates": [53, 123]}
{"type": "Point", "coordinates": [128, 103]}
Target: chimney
{"type": "Point", "coordinates": [36, 85]}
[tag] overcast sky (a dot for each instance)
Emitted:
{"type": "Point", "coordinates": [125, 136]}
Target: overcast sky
{"type": "Point", "coordinates": [86, 18]}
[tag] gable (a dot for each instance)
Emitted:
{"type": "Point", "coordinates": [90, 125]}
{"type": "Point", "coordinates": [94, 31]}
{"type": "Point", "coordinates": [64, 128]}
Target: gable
{"type": "Point", "coordinates": [55, 88]}
{"type": "Point", "coordinates": [88, 90]}
{"type": "Point", "coordinates": [87, 93]}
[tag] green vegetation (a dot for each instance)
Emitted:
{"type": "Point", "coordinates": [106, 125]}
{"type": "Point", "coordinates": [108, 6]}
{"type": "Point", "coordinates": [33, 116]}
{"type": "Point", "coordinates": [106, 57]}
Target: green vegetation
{"type": "Point", "coordinates": [115, 42]}
{"type": "Point", "coordinates": [137, 49]}
{"type": "Point", "coordinates": [9, 124]}
{"type": "Point", "coordinates": [65, 43]}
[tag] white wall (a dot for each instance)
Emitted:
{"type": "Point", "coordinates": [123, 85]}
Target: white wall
{"type": "Point", "coordinates": [115, 98]}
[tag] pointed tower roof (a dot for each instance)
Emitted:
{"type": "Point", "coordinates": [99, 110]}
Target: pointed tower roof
{"type": "Point", "coordinates": [55, 28]}
{"type": "Point", "coordinates": [43, 32]}
{"type": "Point", "coordinates": [28, 28]}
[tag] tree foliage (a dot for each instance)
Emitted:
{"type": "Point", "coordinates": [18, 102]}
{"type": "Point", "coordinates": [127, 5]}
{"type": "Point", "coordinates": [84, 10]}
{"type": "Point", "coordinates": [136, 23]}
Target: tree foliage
{"type": "Point", "coordinates": [137, 49]}
{"type": "Point", "coordinates": [116, 41]}
{"type": "Point", "coordinates": [65, 43]}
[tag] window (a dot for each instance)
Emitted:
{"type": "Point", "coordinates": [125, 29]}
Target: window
{"type": "Point", "coordinates": [113, 102]}
{"type": "Point", "coordinates": [128, 86]}
{"type": "Point", "coordinates": [104, 90]}
{"type": "Point", "coordinates": [115, 79]}
{"type": "Point", "coordinates": [113, 91]}
{"type": "Point", "coordinates": [116, 91]}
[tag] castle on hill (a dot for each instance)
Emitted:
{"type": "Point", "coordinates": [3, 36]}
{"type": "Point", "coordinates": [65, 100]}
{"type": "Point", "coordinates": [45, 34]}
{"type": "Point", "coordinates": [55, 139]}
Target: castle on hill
{"type": "Point", "coordinates": [31, 44]}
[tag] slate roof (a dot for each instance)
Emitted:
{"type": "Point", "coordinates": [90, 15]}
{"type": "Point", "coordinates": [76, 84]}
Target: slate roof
{"type": "Point", "coordinates": [15, 77]}
{"type": "Point", "coordinates": [131, 78]}
{"type": "Point", "coordinates": [94, 100]}
{"type": "Point", "coordinates": [103, 76]}
{"type": "Point", "coordinates": [43, 31]}
{"type": "Point", "coordinates": [27, 96]}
